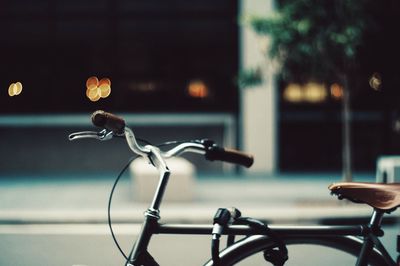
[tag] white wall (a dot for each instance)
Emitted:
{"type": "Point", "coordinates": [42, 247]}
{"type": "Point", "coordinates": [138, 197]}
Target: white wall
{"type": "Point", "coordinates": [258, 104]}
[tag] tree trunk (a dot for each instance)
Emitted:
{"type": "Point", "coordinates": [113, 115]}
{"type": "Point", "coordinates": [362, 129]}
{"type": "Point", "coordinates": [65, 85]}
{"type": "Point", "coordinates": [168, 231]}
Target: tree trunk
{"type": "Point", "coordinates": [346, 133]}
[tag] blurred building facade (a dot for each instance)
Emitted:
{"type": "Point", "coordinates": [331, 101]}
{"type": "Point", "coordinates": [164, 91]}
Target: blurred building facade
{"type": "Point", "coordinates": [170, 60]}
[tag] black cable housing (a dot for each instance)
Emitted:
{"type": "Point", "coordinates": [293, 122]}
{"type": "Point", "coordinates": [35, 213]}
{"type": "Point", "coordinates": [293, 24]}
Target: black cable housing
{"type": "Point", "coordinates": [109, 206]}
{"type": "Point", "coordinates": [113, 189]}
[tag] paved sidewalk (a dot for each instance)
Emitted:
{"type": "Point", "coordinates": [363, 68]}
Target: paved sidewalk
{"type": "Point", "coordinates": [82, 199]}
{"type": "Point", "coordinates": [60, 220]}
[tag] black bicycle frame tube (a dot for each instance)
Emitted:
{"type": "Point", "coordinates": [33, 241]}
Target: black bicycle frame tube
{"type": "Point", "coordinates": [368, 245]}
{"type": "Point", "coordinates": [322, 232]}
{"type": "Point", "coordinates": [354, 230]}
{"type": "Point", "coordinates": [378, 245]}
{"type": "Point", "coordinates": [152, 214]}
{"type": "Point", "coordinates": [151, 226]}
{"type": "Point", "coordinates": [143, 239]}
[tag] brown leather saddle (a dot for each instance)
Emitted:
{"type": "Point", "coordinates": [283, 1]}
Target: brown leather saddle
{"type": "Point", "coordinates": [378, 195]}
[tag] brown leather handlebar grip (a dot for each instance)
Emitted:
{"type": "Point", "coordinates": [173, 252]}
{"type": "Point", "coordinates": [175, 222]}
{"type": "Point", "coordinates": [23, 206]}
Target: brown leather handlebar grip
{"type": "Point", "coordinates": [108, 121]}
{"type": "Point", "coordinates": [229, 155]}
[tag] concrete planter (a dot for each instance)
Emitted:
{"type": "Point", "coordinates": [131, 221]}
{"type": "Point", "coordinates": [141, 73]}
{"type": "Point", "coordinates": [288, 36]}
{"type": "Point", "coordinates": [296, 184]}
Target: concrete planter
{"type": "Point", "coordinates": [180, 185]}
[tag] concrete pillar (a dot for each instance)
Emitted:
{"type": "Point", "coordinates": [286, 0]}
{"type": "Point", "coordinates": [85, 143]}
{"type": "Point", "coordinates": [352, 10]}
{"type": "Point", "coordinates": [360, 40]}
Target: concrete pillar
{"type": "Point", "coordinates": [258, 103]}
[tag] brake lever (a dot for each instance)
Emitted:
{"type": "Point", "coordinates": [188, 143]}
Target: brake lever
{"type": "Point", "coordinates": [102, 135]}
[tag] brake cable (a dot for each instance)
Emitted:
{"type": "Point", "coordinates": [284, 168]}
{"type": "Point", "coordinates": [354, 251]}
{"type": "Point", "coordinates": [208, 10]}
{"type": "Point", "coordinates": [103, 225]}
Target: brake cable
{"type": "Point", "coordinates": [115, 185]}
{"type": "Point", "coordinates": [109, 205]}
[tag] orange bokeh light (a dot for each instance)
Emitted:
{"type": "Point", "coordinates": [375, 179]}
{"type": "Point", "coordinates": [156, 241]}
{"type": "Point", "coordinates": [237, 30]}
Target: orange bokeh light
{"type": "Point", "coordinates": [96, 89]}
{"type": "Point", "coordinates": [106, 81]}
{"type": "Point", "coordinates": [198, 89]}
{"type": "Point", "coordinates": [92, 81]}
{"type": "Point", "coordinates": [336, 91]}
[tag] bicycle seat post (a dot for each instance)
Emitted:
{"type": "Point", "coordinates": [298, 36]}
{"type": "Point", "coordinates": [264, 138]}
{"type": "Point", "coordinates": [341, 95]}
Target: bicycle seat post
{"type": "Point", "coordinates": [376, 219]}
{"type": "Point", "coordinates": [375, 230]}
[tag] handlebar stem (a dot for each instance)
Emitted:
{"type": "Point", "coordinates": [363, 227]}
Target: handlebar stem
{"type": "Point", "coordinates": [158, 161]}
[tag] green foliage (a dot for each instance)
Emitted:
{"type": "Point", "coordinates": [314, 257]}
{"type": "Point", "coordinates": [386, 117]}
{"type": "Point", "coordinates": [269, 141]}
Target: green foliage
{"type": "Point", "coordinates": [314, 39]}
{"type": "Point", "coordinates": [250, 77]}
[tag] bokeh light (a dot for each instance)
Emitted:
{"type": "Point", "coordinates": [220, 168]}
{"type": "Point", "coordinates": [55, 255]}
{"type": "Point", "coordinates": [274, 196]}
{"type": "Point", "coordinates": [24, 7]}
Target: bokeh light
{"type": "Point", "coordinates": [336, 91]}
{"type": "Point", "coordinates": [92, 81]}
{"type": "Point", "coordinates": [311, 92]}
{"type": "Point", "coordinates": [106, 81]}
{"type": "Point", "coordinates": [375, 82]}
{"type": "Point", "coordinates": [11, 90]}
{"type": "Point", "coordinates": [104, 90]}
{"type": "Point", "coordinates": [315, 92]}
{"type": "Point", "coordinates": [15, 89]}
{"type": "Point", "coordinates": [96, 89]}
{"type": "Point", "coordinates": [93, 93]}
{"type": "Point", "coordinates": [198, 89]}
{"type": "Point", "coordinates": [293, 93]}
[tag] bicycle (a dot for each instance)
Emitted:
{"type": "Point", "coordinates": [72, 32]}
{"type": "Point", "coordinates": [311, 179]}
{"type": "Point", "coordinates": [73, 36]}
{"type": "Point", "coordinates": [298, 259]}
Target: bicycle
{"type": "Point", "coordinates": [361, 241]}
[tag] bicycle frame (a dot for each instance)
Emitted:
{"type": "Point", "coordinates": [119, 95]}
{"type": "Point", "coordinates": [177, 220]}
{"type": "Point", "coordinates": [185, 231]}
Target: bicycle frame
{"type": "Point", "coordinates": [335, 235]}
{"type": "Point", "coordinates": [361, 240]}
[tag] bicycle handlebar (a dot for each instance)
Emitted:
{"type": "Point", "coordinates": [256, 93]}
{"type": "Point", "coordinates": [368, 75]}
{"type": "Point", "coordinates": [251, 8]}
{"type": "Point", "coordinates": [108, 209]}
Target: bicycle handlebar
{"type": "Point", "coordinates": [230, 156]}
{"type": "Point", "coordinates": [117, 126]}
{"type": "Point", "coordinates": [108, 121]}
